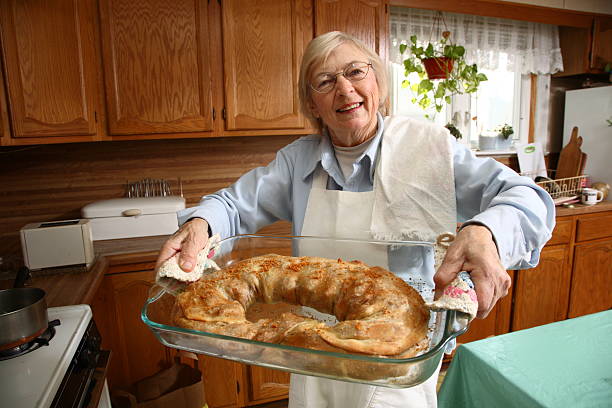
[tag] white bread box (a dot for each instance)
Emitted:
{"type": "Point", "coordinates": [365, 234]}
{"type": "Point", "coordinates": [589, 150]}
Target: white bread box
{"type": "Point", "coordinates": [133, 217]}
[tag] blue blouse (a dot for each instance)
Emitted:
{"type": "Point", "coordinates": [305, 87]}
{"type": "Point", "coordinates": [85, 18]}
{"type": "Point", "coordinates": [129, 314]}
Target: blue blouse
{"type": "Point", "coordinates": [520, 214]}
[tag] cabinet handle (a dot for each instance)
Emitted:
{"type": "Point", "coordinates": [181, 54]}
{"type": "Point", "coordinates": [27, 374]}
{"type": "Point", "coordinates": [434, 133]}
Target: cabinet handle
{"type": "Point", "coordinates": [237, 387]}
{"type": "Point", "coordinates": [223, 114]}
{"type": "Point", "coordinates": [214, 114]}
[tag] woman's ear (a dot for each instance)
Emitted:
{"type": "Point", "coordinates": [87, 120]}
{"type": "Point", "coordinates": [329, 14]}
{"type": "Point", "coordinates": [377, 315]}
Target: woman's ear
{"type": "Point", "coordinates": [313, 109]}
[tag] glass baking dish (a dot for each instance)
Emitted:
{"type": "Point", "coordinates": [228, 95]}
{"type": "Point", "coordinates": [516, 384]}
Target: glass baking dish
{"type": "Point", "coordinates": [389, 372]}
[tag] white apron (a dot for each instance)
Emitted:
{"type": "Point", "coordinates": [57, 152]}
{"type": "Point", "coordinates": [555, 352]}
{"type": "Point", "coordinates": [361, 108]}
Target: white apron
{"type": "Point", "coordinates": [348, 214]}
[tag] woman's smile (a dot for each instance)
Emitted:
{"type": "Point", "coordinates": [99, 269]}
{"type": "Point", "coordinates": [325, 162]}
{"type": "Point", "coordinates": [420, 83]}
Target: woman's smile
{"type": "Point", "coordinates": [351, 107]}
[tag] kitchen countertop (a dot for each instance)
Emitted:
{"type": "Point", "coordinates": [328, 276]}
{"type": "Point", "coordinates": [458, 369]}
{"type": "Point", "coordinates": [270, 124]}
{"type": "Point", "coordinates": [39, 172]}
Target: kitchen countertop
{"type": "Point", "coordinates": [580, 209]}
{"type": "Point", "coordinates": [70, 288]}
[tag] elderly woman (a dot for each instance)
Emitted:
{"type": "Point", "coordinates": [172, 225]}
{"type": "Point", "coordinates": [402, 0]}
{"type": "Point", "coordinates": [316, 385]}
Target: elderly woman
{"type": "Point", "coordinates": [365, 176]}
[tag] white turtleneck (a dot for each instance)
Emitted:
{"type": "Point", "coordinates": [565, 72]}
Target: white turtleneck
{"type": "Point", "coordinates": [347, 156]}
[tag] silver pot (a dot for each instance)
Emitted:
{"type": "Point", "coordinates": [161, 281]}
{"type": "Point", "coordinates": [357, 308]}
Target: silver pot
{"type": "Point", "coordinates": [23, 316]}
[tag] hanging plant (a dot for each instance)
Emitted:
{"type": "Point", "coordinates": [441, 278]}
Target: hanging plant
{"type": "Point", "coordinates": [441, 68]}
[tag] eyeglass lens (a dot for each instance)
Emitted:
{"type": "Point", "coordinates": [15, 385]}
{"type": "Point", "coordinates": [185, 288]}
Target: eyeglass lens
{"type": "Point", "coordinates": [326, 81]}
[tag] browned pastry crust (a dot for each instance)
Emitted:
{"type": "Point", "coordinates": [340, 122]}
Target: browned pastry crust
{"type": "Point", "coordinates": [378, 313]}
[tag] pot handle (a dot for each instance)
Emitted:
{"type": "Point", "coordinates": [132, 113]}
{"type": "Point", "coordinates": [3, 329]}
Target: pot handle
{"type": "Point", "coordinates": [23, 274]}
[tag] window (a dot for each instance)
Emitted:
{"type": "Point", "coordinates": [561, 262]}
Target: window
{"type": "Point", "coordinates": [498, 101]}
{"type": "Point", "coordinates": [507, 51]}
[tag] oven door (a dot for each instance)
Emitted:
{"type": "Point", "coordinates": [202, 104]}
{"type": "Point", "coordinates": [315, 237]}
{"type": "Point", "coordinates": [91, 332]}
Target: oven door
{"type": "Point", "coordinates": [84, 381]}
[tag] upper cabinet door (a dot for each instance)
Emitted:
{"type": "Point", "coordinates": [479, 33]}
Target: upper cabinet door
{"type": "Point", "coordinates": [156, 61]}
{"type": "Point", "coordinates": [5, 134]}
{"type": "Point", "coordinates": [50, 67]}
{"type": "Point", "coordinates": [365, 19]}
{"type": "Point", "coordinates": [263, 43]}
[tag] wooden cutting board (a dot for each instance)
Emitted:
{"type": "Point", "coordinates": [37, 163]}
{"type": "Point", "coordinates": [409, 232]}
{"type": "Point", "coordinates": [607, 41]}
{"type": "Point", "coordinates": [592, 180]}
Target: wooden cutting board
{"type": "Point", "coordinates": [582, 164]}
{"type": "Point", "coordinates": [570, 159]}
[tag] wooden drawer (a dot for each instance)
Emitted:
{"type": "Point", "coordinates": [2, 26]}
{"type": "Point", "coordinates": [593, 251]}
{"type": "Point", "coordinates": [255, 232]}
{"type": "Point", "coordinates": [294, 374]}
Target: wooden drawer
{"type": "Point", "coordinates": [562, 234]}
{"type": "Point", "coordinates": [594, 228]}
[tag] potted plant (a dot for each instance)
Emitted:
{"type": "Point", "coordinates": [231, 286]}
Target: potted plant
{"type": "Point", "coordinates": [496, 139]}
{"type": "Point", "coordinates": [441, 69]}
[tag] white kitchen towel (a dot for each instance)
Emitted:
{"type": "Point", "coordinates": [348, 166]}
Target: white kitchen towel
{"type": "Point", "coordinates": [414, 182]}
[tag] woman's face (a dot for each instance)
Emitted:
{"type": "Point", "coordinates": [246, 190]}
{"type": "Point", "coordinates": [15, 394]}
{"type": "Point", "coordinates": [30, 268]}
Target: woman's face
{"type": "Point", "coordinates": [349, 109]}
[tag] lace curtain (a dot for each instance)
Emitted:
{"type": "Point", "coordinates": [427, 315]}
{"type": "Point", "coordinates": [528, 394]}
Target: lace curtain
{"type": "Point", "coordinates": [530, 47]}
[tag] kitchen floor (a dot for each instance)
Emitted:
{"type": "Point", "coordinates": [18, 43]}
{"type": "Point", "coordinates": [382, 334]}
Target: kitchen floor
{"type": "Point", "coordinates": [284, 403]}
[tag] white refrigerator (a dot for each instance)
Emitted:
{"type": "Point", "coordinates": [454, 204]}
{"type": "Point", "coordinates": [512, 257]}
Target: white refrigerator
{"type": "Point", "coordinates": [590, 109]}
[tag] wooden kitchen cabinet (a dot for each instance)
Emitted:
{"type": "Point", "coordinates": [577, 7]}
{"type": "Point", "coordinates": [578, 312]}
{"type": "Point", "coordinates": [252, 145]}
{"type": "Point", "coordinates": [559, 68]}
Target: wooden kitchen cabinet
{"type": "Point", "coordinates": [116, 309]}
{"type": "Point", "coordinates": [573, 276]}
{"type": "Point", "coordinates": [205, 68]}
{"type": "Point", "coordinates": [157, 66]}
{"type": "Point", "coordinates": [5, 131]}
{"type": "Point", "coordinates": [365, 19]}
{"type": "Point", "coordinates": [592, 273]}
{"type": "Point", "coordinates": [263, 44]}
{"type": "Point", "coordinates": [50, 67]}
{"type": "Point", "coordinates": [138, 354]}
{"type": "Point", "coordinates": [586, 50]}
{"type": "Point", "coordinates": [266, 384]}
{"type": "Point", "coordinates": [542, 292]}
{"type": "Point", "coordinates": [571, 279]}
{"type": "Point", "coordinates": [222, 380]}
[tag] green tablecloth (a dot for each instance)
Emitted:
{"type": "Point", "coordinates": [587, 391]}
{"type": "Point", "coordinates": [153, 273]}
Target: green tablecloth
{"type": "Point", "coordinates": [562, 364]}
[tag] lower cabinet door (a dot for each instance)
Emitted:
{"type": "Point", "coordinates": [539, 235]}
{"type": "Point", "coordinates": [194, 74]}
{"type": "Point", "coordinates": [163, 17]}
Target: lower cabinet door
{"type": "Point", "coordinates": [116, 309]}
{"type": "Point", "coordinates": [221, 382]}
{"type": "Point", "coordinates": [591, 278]}
{"type": "Point", "coordinates": [541, 294]}
{"type": "Point", "coordinates": [266, 384]}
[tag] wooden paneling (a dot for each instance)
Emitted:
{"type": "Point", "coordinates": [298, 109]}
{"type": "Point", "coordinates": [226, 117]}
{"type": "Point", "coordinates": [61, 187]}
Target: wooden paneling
{"type": "Point", "coordinates": [157, 66]}
{"type": "Point", "coordinates": [365, 19]}
{"type": "Point", "coordinates": [50, 67]}
{"type": "Point", "coordinates": [53, 182]}
{"type": "Point", "coordinates": [591, 278]}
{"type": "Point", "coordinates": [261, 40]}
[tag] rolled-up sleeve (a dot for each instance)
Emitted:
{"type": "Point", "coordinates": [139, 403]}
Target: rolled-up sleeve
{"type": "Point", "coordinates": [519, 213]}
{"type": "Point", "coordinates": [260, 197]}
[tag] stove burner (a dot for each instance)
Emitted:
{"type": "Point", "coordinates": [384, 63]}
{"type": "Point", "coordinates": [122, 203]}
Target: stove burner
{"type": "Point", "coordinates": [42, 340]}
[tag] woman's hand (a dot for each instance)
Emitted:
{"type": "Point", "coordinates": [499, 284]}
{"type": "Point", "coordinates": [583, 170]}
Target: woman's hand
{"type": "Point", "coordinates": [474, 251]}
{"type": "Point", "coordinates": [189, 240]}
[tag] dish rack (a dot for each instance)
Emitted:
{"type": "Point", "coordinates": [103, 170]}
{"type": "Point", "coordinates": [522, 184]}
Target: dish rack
{"type": "Point", "coordinates": [565, 187]}
{"type": "Point", "coordinates": [148, 187]}
{"type": "Point", "coordinates": [560, 189]}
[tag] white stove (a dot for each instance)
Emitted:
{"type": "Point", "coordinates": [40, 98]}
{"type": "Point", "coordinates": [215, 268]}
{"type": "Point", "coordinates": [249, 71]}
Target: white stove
{"type": "Point", "coordinates": [35, 379]}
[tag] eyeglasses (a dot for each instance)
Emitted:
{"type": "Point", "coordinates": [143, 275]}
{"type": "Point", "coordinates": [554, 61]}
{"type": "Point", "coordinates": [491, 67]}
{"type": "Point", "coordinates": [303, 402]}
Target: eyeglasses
{"type": "Point", "coordinates": [325, 82]}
